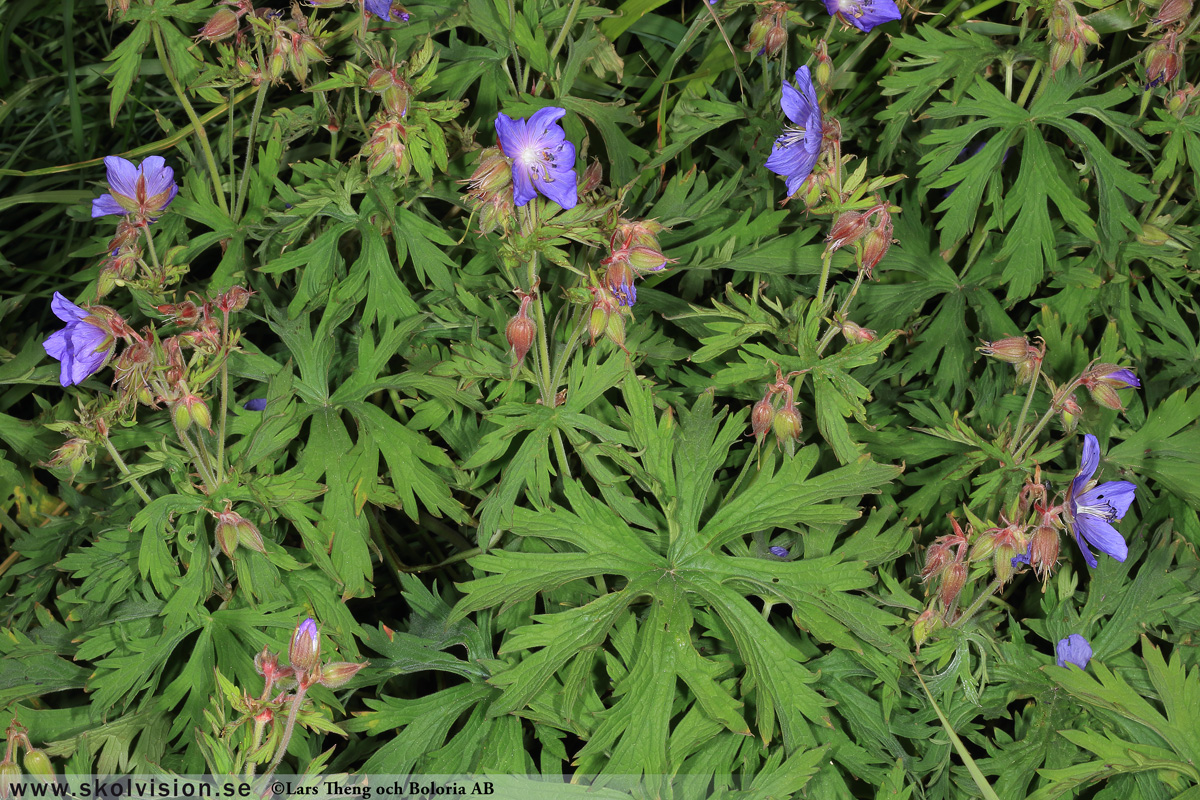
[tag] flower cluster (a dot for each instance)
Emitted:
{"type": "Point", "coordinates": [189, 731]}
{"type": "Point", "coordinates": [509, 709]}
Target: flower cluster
{"type": "Point", "coordinates": [777, 412]}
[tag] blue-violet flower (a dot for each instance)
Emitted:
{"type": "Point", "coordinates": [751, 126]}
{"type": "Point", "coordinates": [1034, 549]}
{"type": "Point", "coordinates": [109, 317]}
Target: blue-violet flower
{"type": "Point", "coordinates": [1090, 508]}
{"type": "Point", "coordinates": [1073, 650]}
{"type": "Point", "coordinates": [82, 346]}
{"type": "Point", "coordinates": [386, 10]}
{"type": "Point", "coordinates": [543, 159]}
{"type": "Point", "coordinates": [796, 151]}
{"type": "Point", "coordinates": [864, 14]}
{"type": "Point", "coordinates": [144, 190]}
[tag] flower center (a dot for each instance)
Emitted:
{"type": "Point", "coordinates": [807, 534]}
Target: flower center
{"type": "Point", "coordinates": [1103, 509]}
{"type": "Point", "coordinates": [537, 161]}
{"type": "Point", "coordinates": [792, 135]}
{"type": "Point", "coordinates": [852, 8]}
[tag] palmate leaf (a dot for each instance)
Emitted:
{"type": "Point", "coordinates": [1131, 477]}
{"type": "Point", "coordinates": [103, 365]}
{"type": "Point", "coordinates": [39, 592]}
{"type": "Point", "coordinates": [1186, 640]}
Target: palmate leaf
{"type": "Point", "coordinates": [1031, 239]}
{"type": "Point", "coordinates": [665, 575]}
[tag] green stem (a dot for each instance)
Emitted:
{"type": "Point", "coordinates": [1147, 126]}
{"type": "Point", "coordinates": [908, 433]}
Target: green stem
{"type": "Point", "coordinates": [1029, 82]}
{"type": "Point", "coordinates": [1163, 201]}
{"type": "Point", "coordinates": [288, 728]}
{"type": "Point", "coordinates": [169, 71]}
{"type": "Point", "coordinates": [564, 357]}
{"type": "Point", "coordinates": [158, 270]}
{"type": "Point", "coordinates": [224, 397]}
{"type": "Point", "coordinates": [1033, 385]}
{"type": "Point", "coordinates": [121, 465]}
{"type": "Point", "coordinates": [826, 263]}
{"type": "Point", "coordinates": [1055, 406]}
{"type": "Point", "coordinates": [254, 117]}
{"type": "Point", "coordinates": [561, 39]}
{"type": "Point", "coordinates": [973, 609]}
{"type": "Point", "coordinates": [259, 727]}
{"type": "Point", "coordinates": [833, 329]}
{"type": "Point", "coordinates": [206, 474]}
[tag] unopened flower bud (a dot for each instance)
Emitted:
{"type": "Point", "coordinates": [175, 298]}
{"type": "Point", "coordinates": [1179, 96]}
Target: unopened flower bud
{"type": "Point", "coordinates": [619, 279]}
{"type": "Point", "coordinates": [812, 190]}
{"type": "Point", "coordinates": [876, 243]}
{"type": "Point", "coordinates": [1002, 561]}
{"type": "Point", "coordinates": [756, 40]}
{"type": "Point", "coordinates": [10, 775]}
{"type": "Point", "coordinates": [1070, 414]}
{"type": "Point", "coordinates": [856, 334]}
{"type": "Point", "coordinates": [1172, 11]}
{"type": "Point", "coordinates": [1043, 553]}
{"type": "Point", "coordinates": [196, 412]}
{"type": "Point", "coordinates": [1107, 396]}
{"type": "Point", "coordinates": [521, 330]}
{"type": "Point", "coordinates": [824, 71]}
{"type": "Point", "coordinates": [787, 424]}
{"type": "Point", "coordinates": [848, 228]}
{"type": "Point", "coordinates": [37, 764]}
{"type": "Point", "coordinates": [1153, 235]}
{"type": "Point", "coordinates": [304, 655]}
{"type": "Point", "coordinates": [233, 529]}
{"type": "Point", "coordinates": [74, 454]}
{"type": "Point", "coordinates": [929, 622]}
{"type": "Point", "coordinates": [234, 300]}
{"type": "Point", "coordinates": [643, 258]}
{"type": "Point", "coordinates": [762, 416]}
{"type": "Point", "coordinates": [220, 26]}
{"type": "Point", "coordinates": [1011, 349]}
{"type": "Point", "coordinates": [954, 576]}
{"type": "Point", "coordinates": [338, 674]}
{"type": "Point", "coordinates": [614, 330]}
{"type": "Point", "coordinates": [777, 551]}
{"type": "Point", "coordinates": [592, 176]}
{"type": "Point", "coordinates": [982, 548]}
{"type": "Point", "coordinates": [1163, 61]}
{"type": "Point", "coordinates": [936, 557]}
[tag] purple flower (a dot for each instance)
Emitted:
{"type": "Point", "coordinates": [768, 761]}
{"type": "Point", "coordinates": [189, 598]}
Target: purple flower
{"type": "Point", "coordinates": [864, 14]}
{"type": "Point", "coordinates": [779, 552]}
{"type": "Point", "coordinates": [82, 346]}
{"type": "Point", "coordinates": [1024, 558]}
{"type": "Point", "coordinates": [1073, 650]}
{"type": "Point", "coordinates": [1123, 379]}
{"type": "Point", "coordinates": [144, 190]}
{"type": "Point", "coordinates": [257, 404]}
{"type": "Point", "coordinates": [543, 159]}
{"type": "Point", "coordinates": [1090, 508]}
{"type": "Point", "coordinates": [386, 10]}
{"type": "Point", "coordinates": [796, 151]}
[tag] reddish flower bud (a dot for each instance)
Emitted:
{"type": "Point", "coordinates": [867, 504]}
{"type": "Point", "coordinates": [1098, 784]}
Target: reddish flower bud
{"type": "Point", "coordinates": [220, 26]}
{"type": "Point", "coordinates": [1011, 350]}
{"type": "Point", "coordinates": [591, 177]}
{"type": "Point", "coordinates": [338, 674]}
{"type": "Point", "coordinates": [234, 300]}
{"type": "Point", "coordinates": [954, 577]}
{"type": "Point", "coordinates": [856, 334]}
{"type": "Point", "coordinates": [1043, 553]}
{"type": "Point", "coordinates": [1172, 11]}
{"type": "Point", "coordinates": [1070, 414]}
{"type": "Point", "coordinates": [762, 416]}
{"type": "Point", "coordinates": [848, 228]}
{"type": "Point", "coordinates": [521, 330]}
{"type": "Point", "coordinates": [1164, 59]}
{"type": "Point", "coordinates": [877, 242]}
{"type": "Point", "coordinates": [936, 557]}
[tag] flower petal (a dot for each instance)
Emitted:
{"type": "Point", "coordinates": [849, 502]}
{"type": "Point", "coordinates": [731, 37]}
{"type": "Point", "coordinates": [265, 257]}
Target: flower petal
{"type": "Point", "coordinates": [57, 345]}
{"type": "Point", "coordinates": [65, 310]}
{"type": "Point", "coordinates": [122, 176]}
{"type": "Point", "coordinates": [523, 190]}
{"type": "Point", "coordinates": [1125, 376]}
{"type": "Point", "coordinates": [510, 132]}
{"type": "Point", "coordinates": [106, 204]}
{"type": "Point", "coordinates": [1087, 465]}
{"type": "Point", "coordinates": [543, 118]}
{"type": "Point", "coordinates": [1101, 535]}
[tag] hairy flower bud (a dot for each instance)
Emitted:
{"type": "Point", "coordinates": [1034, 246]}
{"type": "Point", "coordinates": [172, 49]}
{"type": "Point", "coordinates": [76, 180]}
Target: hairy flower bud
{"type": "Point", "coordinates": [37, 764]}
{"type": "Point", "coordinates": [233, 529]}
{"type": "Point", "coordinates": [192, 410]}
{"type": "Point", "coordinates": [787, 424]}
{"type": "Point", "coordinates": [1164, 59]}
{"type": "Point", "coordinates": [521, 330]}
{"type": "Point", "coordinates": [304, 654]}
{"type": "Point", "coordinates": [1043, 553]}
{"type": "Point", "coordinates": [824, 70]}
{"type": "Point", "coordinates": [10, 775]}
{"type": "Point", "coordinates": [954, 576]}
{"type": "Point", "coordinates": [762, 416]}
{"type": "Point", "coordinates": [1011, 349]}
{"type": "Point", "coordinates": [1070, 414]}
{"type": "Point", "coordinates": [338, 674]}
{"type": "Point", "coordinates": [220, 26]}
{"type": "Point", "coordinates": [856, 334]}
{"type": "Point", "coordinates": [877, 242]}
{"type": "Point", "coordinates": [1172, 11]}
{"type": "Point", "coordinates": [927, 623]}
{"type": "Point", "coordinates": [74, 455]}
{"type": "Point", "coordinates": [234, 300]}
{"type": "Point", "coordinates": [848, 228]}
{"type": "Point", "coordinates": [592, 176]}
